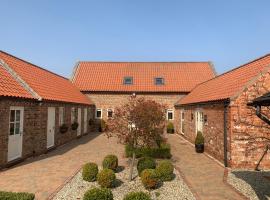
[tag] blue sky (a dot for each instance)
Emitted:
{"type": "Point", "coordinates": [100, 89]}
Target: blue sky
{"type": "Point", "coordinates": [57, 34]}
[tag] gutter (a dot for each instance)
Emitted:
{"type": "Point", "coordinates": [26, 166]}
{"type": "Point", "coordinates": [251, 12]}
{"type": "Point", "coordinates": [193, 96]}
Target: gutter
{"type": "Point", "coordinates": [226, 105]}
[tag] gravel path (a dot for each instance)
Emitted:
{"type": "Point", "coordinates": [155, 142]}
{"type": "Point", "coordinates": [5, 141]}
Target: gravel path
{"type": "Point", "coordinates": [173, 190]}
{"type": "Point", "coordinates": [253, 184]}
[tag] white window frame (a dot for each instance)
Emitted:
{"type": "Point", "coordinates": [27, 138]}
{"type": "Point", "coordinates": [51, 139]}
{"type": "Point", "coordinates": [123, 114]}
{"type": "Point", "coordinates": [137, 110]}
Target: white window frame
{"type": "Point", "coordinates": [73, 117]}
{"type": "Point", "coordinates": [109, 109]}
{"type": "Point", "coordinates": [182, 121]}
{"type": "Point", "coordinates": [167, 114]}
{"type": "Point", "coordinates": [98, 109]}
{"type": "Point", "coordinates": [61, 116]}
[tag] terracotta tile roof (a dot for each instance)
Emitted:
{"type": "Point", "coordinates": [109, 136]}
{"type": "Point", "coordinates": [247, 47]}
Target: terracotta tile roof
{"type": "Point", "coordinates": [108, 76]}
{"type": "Point", "coordinates": [9, 87]}
{"type": "Point", "coordinates": [226, 85]}
{"type": "Point", "coordinates": [47, 85]}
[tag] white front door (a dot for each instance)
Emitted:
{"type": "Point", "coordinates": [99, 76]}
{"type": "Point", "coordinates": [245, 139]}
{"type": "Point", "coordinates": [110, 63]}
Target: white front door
{"type": "Point", "coordinates": [199, 121]}
{"type": "Point", "coordinates": [15, 133]}
{"type": "Point", "coordinates": [50, 127]}
{"type": "Point", "coordinates": [79, 122]}
{"type": "Point", "coordinates": [85, 121]}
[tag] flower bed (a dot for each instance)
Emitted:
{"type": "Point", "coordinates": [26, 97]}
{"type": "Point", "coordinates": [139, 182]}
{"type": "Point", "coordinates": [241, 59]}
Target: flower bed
{"type": "Point", "coordinates": [172, 190]}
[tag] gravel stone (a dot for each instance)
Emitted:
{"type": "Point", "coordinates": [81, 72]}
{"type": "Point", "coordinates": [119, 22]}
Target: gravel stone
{"type": "Point", "coordinates": [255, 185]}
{"type": "Point", "coordinates": [172, 190]}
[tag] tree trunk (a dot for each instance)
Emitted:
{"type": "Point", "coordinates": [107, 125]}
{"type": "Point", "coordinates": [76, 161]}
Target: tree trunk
{"type": "Point", "coordinates": [132, 166]}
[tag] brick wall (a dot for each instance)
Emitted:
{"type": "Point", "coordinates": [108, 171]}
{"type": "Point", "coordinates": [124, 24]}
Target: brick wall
{"type": "Point", "coordinates": [248, 130]}
{"type": "Point", "coordinates": [106, 101]}
{"type": "Point", "coordinates": [35, 126]}
{"type": "Point", "coordinates": [213, 129]}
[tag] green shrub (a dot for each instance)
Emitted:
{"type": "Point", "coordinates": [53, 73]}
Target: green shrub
{"type": "Point", "coordinates": [170, 127]}
{"type": "Point", "coordinates": [98, 194]}
{"type": "Point", "coordinates": [145, 163]}
{"type": "Point", "coordinates": [16, 196]}
{"type": "Point", "coordinates": [110, 162]}
{"type": "Point", "coordinates": [165, 170]}
{"type": "Point", "coordinates": [150, 178]}
{"type": "Point", "coordinates": [199, 138]}
{"type": "Point", "coordinates": [137, 196]}
{"type": "Point", "coordinates": [164, 151]}
{"type": "Point", "coordinates": [106, 178]}
{"type": "Point", "coordinates": [90, 171]}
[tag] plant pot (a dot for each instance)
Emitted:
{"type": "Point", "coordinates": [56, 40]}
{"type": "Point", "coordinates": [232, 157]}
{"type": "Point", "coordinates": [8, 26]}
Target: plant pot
{"type": "Point", "coordinates": [170, 131]}
{"type": "Point", "coordinates": [63, 129]}
{"type": "Point", "coordinates": [74, 126]}
{"type": "Point", "coordinates": [199, 148]}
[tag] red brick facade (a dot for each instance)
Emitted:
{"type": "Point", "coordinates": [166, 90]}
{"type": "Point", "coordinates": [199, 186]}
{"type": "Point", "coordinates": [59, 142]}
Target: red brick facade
{"type": "Point", "coordinates": [247, 134]}
{"type": "Point", "coordinates": [110, 100]}
{"type": "Point", "coordinates": [35, 125]}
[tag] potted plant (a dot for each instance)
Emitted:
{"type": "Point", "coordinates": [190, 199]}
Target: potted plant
{"type": "Point", "coordinates": [199, 142]}
{"type": "Point", "coordinates": [102, 126]}
{"type": "Point", "coordinates": [63, 128]}
{"type": "Point", "coordinates": [170, 128]}
{"type": "Point", "coordinates": [74, 126]}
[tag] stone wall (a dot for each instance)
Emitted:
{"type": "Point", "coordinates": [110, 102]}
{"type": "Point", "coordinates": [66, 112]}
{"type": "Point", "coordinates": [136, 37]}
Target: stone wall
{"type": "Point", "coordinates": [249, 134]}
{"type": "Point", "coordinates": [213, 129]}
{"type": "Point", "coordinates": [35, 126]}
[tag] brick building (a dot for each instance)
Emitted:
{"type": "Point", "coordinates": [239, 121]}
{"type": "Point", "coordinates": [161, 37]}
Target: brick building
{"type": "Point", "coordinates": [219, 108]}
{"type": "Point", "coordinates": [34, 103]}
{"type": "Point", "coordinates": [110, 84]}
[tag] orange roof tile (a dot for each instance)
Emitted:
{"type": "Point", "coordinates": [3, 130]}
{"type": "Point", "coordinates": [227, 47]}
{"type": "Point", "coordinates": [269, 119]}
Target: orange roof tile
{"type": "Point", "coordinates": [10, 87]}
{"type": "Point", "coordinates": [47, 85]}
{"type": "Point", "coordinates": [226, 85]}
{"type": "Point", "coordinates": [108, 76]}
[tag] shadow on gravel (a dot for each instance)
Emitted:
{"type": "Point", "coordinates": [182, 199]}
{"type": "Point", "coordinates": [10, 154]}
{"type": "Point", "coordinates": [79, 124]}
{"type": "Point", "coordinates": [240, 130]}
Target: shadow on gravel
{"type": "Point", "coordinates": [259, 181]}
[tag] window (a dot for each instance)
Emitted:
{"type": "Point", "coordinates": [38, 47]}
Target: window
{"type": "Point", "coordinates": [205, 119]}
{"type": "Point", "coordinates": [15, 120]}
{"type": "Point", "coordinates": [61, 116]}
{"type": "Point", "coordinates": [128, 81]}
{"type": "Point", "coordinates": [170, 114]}
{"type": "Point", "coordinates": [159, 81]}
{"type": "Point", "coordinates": [72, 115]}
{"type": "Point", "coordinates": [98, 113]}
{"type": "Point", "coordinates": [110, 113]}
{"type": "Point", "coordinates": [182, 121]}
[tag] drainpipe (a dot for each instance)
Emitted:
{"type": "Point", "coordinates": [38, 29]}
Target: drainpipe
{"type": "Point", "coordinates": [225, 134]}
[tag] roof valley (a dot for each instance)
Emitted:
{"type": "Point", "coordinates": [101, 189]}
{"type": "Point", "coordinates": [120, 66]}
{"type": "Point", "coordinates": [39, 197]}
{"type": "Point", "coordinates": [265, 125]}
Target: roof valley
{"type": "Point", "coordinates": [18, 79]}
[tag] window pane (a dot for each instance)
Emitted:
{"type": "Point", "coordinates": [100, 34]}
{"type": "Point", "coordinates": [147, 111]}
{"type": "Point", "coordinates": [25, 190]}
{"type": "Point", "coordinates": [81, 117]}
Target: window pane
{"type": "Point", "coordinates": [128, 80]}
{"type": "Point", "coordinates": [11, 129]}
{"type": "Point", "coordinates": [12, 115]}
{"type": "Point", "coordinates": [98, 113]}
{"type": "Point", "coordinates": [17, 128]}
{"type": "Point", "coordinates": [110, 113]}
{"type": "Point", "coordinates": [159, 81]}
{"type": "Point", "coordinates": [170, 115]}
{"type": "Point", "coordinates": [18, 113]}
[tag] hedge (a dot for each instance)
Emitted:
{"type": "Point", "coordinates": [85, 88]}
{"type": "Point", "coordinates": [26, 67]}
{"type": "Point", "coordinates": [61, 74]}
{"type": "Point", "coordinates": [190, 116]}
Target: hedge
{"type": "Point", "coordinates": [98, 194]}
{"type": "Point", "coordinates": [163, 152]}
{"type": "Point", "coordinates": [16, 196]}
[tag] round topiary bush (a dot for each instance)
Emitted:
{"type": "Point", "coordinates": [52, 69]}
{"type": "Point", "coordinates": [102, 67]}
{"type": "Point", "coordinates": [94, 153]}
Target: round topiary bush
{"type": "Point", "coordinates": [165, 170]}
{"type": "Point", "coordinates": [106, 178]}
{"type": "Point", "coordinates": [90, 171]}
{"type": "Point", "coordinates": [137, 196]}
{"type": "Point", "coordinates": [145, 163]}
{"type": "Point", "coordinates": [98, 194]}
{"type": "Point", "coordinates": [110, 162]}
{"type": "Point", "coordinates": [150, 178]}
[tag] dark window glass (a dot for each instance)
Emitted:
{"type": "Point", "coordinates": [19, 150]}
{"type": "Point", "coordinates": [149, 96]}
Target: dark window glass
{"type": "Point", "coordinates": [128, 80]}
{"type": "Point", "coordinates": [110, 113]}
{"type": "Point", "coordinates": [192, 116]}
{"type": "Point", "coordinates": [170, 115]}
{"type": "Point", "coordinates": [98, 113]}
{"type": "Point", "coordinates": [205, 118]}
{"type": "Point", "coordinates": [159, 81]}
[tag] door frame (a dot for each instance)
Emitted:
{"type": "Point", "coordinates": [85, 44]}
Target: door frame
{"type": "Point", "coordinates": [79, 130]}
{"type": "Point", "coordinates": [53, 128]}
{"type": "Point", "coordinates": [85, 116]}
{"type": "Point", "coordinates": [21, 108]}
{"type": "Point", "coordinates": [199, 120]}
